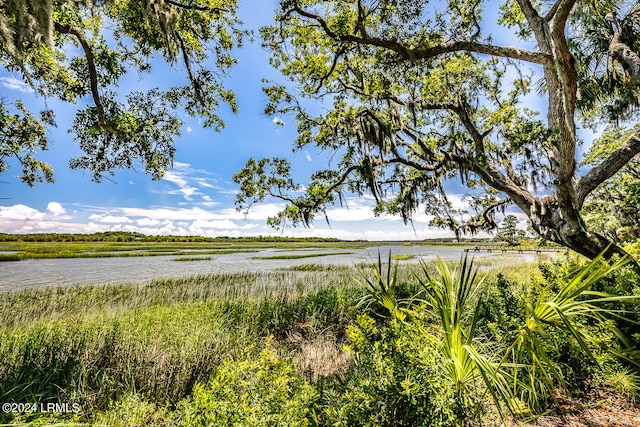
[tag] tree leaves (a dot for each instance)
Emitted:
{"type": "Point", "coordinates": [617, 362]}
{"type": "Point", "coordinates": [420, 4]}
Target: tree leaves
{"type": "Point", "coordinates": [414, 94]}
{"type": "Point", "coordinates": [116, 37]}
{"type": "Point", "coordinates": [21, 136]}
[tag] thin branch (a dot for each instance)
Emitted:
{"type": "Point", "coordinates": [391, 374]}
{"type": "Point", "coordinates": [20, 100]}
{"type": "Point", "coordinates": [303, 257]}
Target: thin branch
{"type": "Point", "coordinates": [422, 105]}
{"type": "Point", "coordinates": [187, 62]}
{"type": "Point", "coordinates": [91, 64]}
{"type": "Point", "coordinates": [537, 25]}
{"type": "Point", "coordinates": [487, 214]}
{"type": "Point", "coordinates": [560, 11]}
{"type": "Point", "coordinates": [415, 54]}
{"type": "Point", "coordinates": [331, 69]}
{"type": "Point", "coordinates": [195, 7]}
{"type": "Point", "coordinates": [418, 166]}
{"type": "Point", "coordinates": [609, 166]}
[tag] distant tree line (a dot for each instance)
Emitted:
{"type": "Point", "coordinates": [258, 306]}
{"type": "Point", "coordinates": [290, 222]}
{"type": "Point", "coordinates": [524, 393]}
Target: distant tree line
{"type": "Point", "coordinates": [125, 236]}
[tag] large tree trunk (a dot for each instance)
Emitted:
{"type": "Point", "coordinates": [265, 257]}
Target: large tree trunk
{"type": "Point", "coordinates": [557, 217]}
{"type": "Point", "coordinates": [554, 225]}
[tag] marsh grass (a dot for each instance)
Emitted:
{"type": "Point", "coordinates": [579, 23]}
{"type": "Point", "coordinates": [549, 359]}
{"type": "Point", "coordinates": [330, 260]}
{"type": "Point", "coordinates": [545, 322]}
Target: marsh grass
{"type": "Point", "coordinates": [300, 256]}
{"type": "Point", "coordinates": [49, 250]}
{"type": "Point", "coordinates": [320, 267]}
{"type": "Point", "coordinates": [124, 351]}
{"type": "Point", "coordinates": [205, 258]}
{"type": "Point", "coordinates": [95, 345]}
{"type": "Point", "coordinates": [92, 249]}
{"type": "Point", "coordinates": [402, 257]}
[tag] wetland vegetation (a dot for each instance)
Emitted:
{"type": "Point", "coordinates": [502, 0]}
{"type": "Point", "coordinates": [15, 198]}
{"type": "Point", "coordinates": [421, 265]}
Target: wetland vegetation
{"type": "Point", "coordinates": [345, 345]}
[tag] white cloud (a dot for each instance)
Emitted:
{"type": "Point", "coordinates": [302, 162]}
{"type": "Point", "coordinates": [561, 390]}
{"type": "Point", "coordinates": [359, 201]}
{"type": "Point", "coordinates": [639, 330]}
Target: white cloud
{"type": "Point", "coordinates": [147, 222]}
{"type": "Point", "coordinates": [353, 224]}
{"type": "Point", "coordinates": [218, 224]}
{"type": "Point", "coordinates": [56, 209]}
{"type": "Point", "coordinates": [189, 182]}
{"type": "Point", "coordinates": [179, 180]}
{"type": "Point", "coordinates": [24, 219]}
{"type": "Point", "coordinates": [351, 212]}
{"type": "Point", "coordinates": [15, 84]}
{"type": "Point", "coordinates": [204, 182]}
{"type": "Point", "coordinates": [307, 156]}
{"type": "Point", "coordinates": [20, 212]}
{"type": "Point", "coordinates": [175, 178]}
{"type": "Point", "coordinates": [110, 219]}
{"type": "Point", "coordinates": [278, 121]}
{"type": "Point", "coordinates": [457, 201]}
{"type": "Point", "coordinates": [189, 129]}
{"type": "Point", "coordinates": [257, 213]}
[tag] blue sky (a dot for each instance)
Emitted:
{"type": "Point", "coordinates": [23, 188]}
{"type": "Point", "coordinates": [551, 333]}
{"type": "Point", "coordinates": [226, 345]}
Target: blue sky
{"type": "Point", "coordinates": [196, 197]}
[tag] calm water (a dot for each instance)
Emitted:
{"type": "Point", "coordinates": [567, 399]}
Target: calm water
{"type": "Point", "coordinates": [67, 271]}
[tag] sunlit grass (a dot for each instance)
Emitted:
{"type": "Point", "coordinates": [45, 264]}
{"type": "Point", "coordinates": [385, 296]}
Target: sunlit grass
{"type": "Point", "coordinates": [95, 344]}
{"type": "Point", "coordinates": [319, 267]}
{"type": "Point", "coordinates": [402, 257]}
{"type": "Point", "coordinates": [299, 256]}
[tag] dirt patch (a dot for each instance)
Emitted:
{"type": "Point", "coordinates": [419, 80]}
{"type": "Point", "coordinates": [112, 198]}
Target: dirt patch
{"type": "Point", "coordinates": [599, 410]}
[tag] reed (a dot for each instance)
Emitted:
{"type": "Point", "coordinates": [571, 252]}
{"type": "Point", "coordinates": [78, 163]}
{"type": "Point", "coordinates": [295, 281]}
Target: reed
{"type": "Point", "coordinates": [194, 258]}
{"type": "Point", "coordinates": [300, 256]}
{"type": "Point", "coordinates": [94, 344]}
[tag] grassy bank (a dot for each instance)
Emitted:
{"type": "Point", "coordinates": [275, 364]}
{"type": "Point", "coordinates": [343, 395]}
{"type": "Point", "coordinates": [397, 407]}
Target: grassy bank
{"type": "Point", "coordinates": [21, 250]}
{"type": "Point", "coordinates": [80, 246]}
{"type": "Point", "coordinates": [100, 346]}
{"type": "Point", "coordinates": [307, 346]}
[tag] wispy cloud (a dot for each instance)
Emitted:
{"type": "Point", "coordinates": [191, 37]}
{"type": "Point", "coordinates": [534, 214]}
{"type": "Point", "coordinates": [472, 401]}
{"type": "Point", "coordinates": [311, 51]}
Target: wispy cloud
{"type": "Point", "coordinates": [15, 84]}
{"type": "Point", "coordinates": [191, 183]}
{"type": "Point", "coordinates": [110, 219]}
{"type": "Point", "coordinates": [178, 178]}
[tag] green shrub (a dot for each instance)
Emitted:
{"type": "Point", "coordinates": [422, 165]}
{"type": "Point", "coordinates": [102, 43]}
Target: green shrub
{"type": "Point", "coordinates": [554, 342]}
{"type": "Point", "coordinates": [262, 392]}
{"type": "Point", "coordinates": [395, 381]}
{"type": "Point", "coordinates": [133, 410]}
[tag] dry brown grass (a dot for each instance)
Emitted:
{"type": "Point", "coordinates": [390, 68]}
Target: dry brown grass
{"type": "Point", "coordinates": [320, 353]}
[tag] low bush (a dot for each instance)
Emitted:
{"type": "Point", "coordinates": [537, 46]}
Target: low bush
{"type": "Point", "coordinates": [395, 380]}
{"type": "Point", "coordinates": [251, 392]}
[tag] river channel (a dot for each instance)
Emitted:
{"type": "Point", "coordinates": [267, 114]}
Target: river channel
{"type": "Point", "coordinates": [68, 271]}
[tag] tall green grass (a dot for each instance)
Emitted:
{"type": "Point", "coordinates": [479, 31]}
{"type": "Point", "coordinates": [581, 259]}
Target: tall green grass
{"type": "Point", "coordinates": [194, 258]}
{"type": "Point", "coordinates": [94, 345]}
{"type": "Point", "coordinates": [300, 256]}
{"type": "Point", "coordinates": [133, 354]}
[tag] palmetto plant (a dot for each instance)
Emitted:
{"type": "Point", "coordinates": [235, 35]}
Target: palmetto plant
{"type": "Point", "coordinates": [572, 305]}
{"type": "Point", "coordinates": [382, 289]}
{"type": "Point", "coordinates": [518, 374]}
{"type": "Point", "coordinates": [448, 306]}
{"type": "Point", "coordinates": [452, 296]}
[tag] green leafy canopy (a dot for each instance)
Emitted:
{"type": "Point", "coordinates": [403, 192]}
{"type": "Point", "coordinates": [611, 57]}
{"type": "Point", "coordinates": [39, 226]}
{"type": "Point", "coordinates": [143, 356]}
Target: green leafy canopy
{"type": "Point", "coordinates": [79, 51]}
{"type": "Point", "coordinates": [414, 94]}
